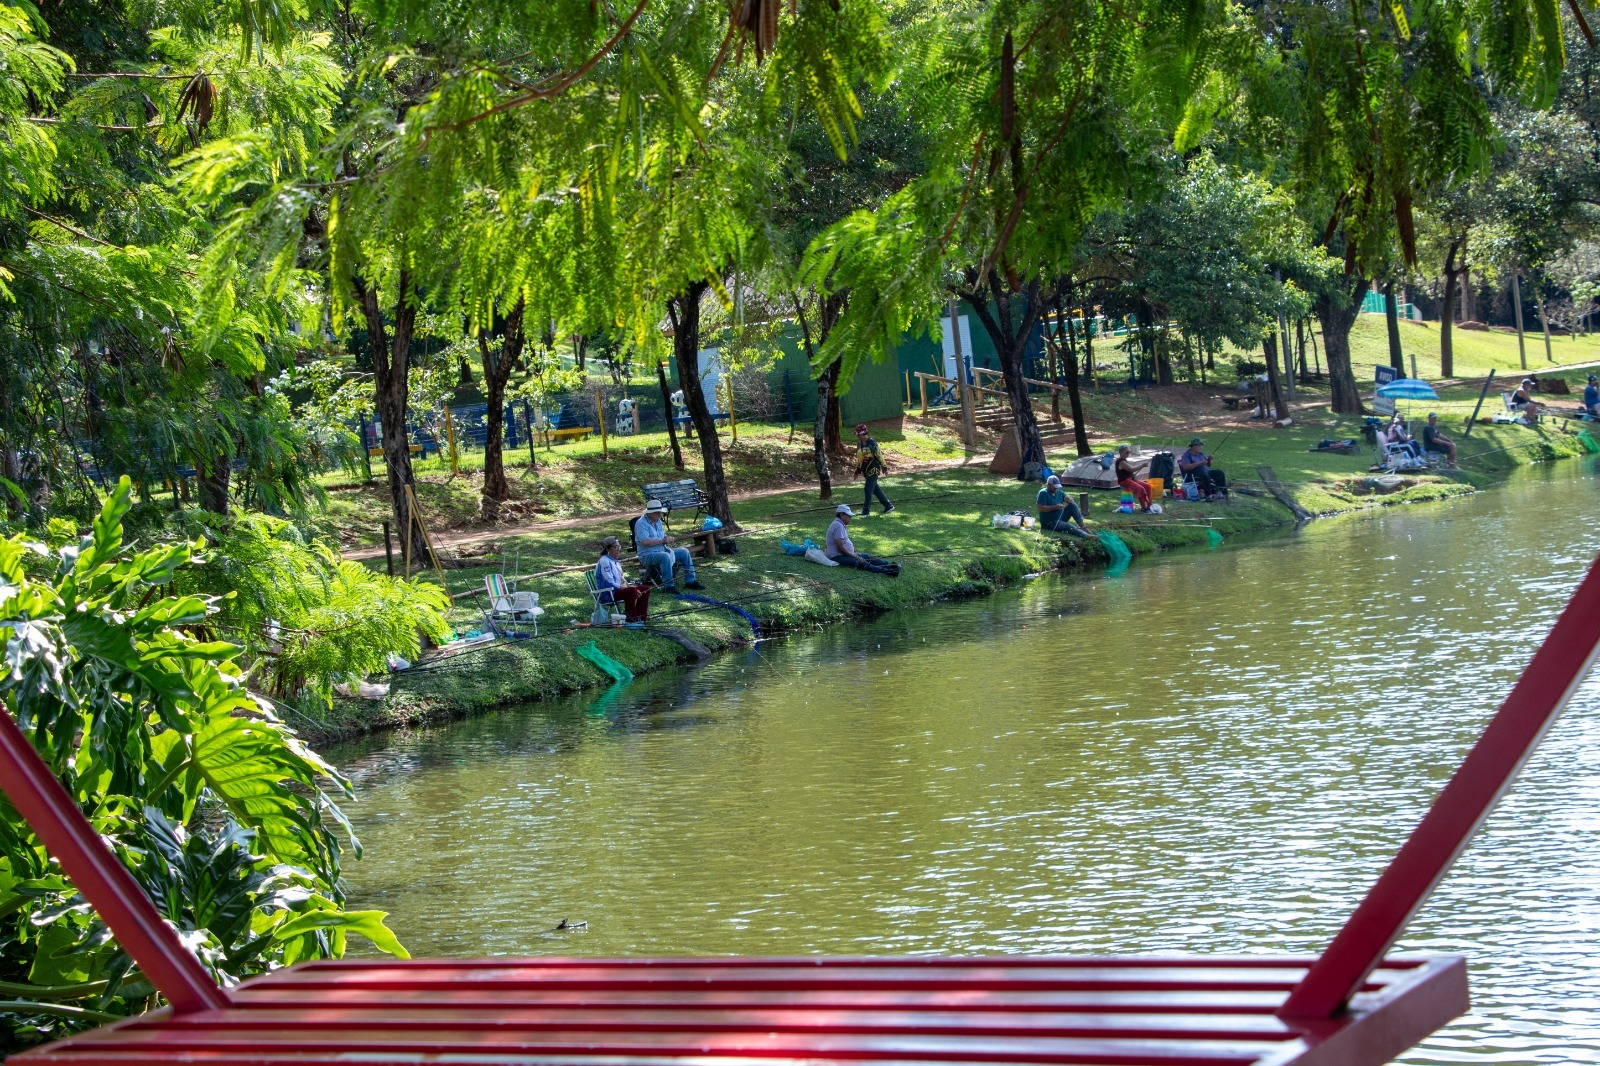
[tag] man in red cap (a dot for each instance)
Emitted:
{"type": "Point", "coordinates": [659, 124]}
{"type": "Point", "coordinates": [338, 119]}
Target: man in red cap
{"type": "Point", "coordinates": [869, 464]}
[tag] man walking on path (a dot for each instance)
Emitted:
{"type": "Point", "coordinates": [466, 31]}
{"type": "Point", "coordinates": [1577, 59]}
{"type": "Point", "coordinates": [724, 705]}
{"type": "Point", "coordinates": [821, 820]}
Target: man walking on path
{"type": "Point", "coordinates": [869, 464]}
{"type": "Point", "coordinates": [837, 546]}
{"type": "Point", "coordinates": [655, 547]}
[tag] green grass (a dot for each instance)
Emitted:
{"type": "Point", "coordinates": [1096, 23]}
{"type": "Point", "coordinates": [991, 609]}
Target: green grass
{"type": "Point", "coordinates": [577, 479]}
{"type": "Point", "coordinates": [941, 532]}
{"type": "Point", "coordinates": [1475, 351]}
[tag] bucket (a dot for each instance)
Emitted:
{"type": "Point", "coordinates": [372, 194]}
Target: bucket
{"type": "Point", "coordinates": [1158, 487]}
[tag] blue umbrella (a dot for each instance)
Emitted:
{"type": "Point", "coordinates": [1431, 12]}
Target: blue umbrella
{"type": "Point", "coordinates": [1408, 389]}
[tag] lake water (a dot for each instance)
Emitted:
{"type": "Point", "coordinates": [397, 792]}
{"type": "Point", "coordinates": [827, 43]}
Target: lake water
{"type": "Point", "coordinates": [1216, 752]}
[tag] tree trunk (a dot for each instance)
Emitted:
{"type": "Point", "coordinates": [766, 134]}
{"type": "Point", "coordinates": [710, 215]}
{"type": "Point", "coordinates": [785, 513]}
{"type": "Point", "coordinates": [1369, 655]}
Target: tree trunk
{"type": "Point", "coordinates": [666, 405]}
{"type": "Point", "coordinates": [1469, 298]}
{"type": "Point", "coordinates": [1009, 332]}
{"type": "Point", "coordinates": [1080, 432]}
{"type": "Point", "coordinates": [1269, 348]}
{"type": "Point", "coordinates": [496, 372]}
{"type": "Point", "coordinates": [391, 358]}
{"type": "Point", "coordinates": [1544, 322]}
{"type": "Point", "coordinates": [684, 310]}
{"type": "Point", "coordinates": [1447, 309]}
{"type": "Point", "coordinates": [212, 479]}
{"type": "Point", "coordinates": [1300, 344]}
{"type": "Point", "coordinates": [1391, 315]}
{"type": "Point", "coordinates": [1337, 313]}
{"type": "Point", "coordinates": [827, 389]}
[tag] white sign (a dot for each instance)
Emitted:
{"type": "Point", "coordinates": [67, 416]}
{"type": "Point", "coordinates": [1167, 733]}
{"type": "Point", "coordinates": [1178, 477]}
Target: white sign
{"type": "Point", "coordinates": [947, 341]}
{"type": "Point", "coordinates": [1383, 405]}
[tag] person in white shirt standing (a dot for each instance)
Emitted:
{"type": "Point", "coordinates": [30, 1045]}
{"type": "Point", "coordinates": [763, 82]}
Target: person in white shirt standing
{"type": "Point", "coordinates": [837, 546]}
{"type": "Point", "coordinates": [656, 550]}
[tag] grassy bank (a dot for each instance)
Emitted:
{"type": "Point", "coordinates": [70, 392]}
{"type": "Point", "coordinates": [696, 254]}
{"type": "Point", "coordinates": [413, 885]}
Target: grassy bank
{"type": "Point", "coordinates": [941, 532]}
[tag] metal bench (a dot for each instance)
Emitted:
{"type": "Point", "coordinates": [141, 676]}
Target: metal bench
{"type": "Point", "coordinates": [677, 495]}
{"type": "Point", "coordinates": [1354, 1005]}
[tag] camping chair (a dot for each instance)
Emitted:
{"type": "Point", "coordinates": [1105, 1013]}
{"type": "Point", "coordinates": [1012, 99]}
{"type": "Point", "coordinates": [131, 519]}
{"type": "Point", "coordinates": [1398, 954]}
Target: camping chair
{"type": "Point", "coordinates": [507, 604]}
{"type": "Point", "coordinates": [1353, 1005]}
{"type": "Point", "coordinates": [598, 595]}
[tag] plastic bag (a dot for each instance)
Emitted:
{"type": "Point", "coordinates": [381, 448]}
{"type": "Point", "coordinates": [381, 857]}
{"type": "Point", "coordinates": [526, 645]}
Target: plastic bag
{"type": "Point", "coordinates": [816, 555]}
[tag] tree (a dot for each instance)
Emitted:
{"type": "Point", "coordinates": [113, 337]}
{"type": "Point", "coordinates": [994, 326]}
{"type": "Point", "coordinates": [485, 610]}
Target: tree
{"type": "Point", "coordinates": [1044, 113]}
{"type": "Point", "coordinates": [1377, 107]}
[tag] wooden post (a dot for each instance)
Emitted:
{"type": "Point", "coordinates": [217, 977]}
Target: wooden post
{"type": "Point", "coordinates": [908, 388]}
{"type": "Point", "coordinates": [922, 385]}
{"type": "Point", "coordinates": [600, 417]}
{"type": "Point", "coordinates": [450, 436]}
{"type": "Point", "coordinates": [1467, 432]}
{"type": "Point", "coordinates": [1516, 304]}
{"type": "Point", "coordinates": [969, 432]}
{"type": "Point", "coordinates": [1413, 364]}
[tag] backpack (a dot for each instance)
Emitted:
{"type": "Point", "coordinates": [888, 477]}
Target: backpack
{"type": "Point", "coordinates": [1162, 466]}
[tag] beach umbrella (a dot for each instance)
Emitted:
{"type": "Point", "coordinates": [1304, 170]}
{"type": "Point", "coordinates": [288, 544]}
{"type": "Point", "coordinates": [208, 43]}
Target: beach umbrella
{"type": "Point", "coordinates": [1407, 389]}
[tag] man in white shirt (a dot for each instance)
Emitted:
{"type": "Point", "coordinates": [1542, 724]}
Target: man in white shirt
{"type": "Point", "coordinates": [656, 549]}
{"type": "Point", "coordinates": [836, 545]}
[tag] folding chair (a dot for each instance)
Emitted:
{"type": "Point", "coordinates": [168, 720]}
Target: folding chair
{"type": "Point", "coordinates": [1354, 1005]}
{"type": "Point", "coordinates": [508, 604]}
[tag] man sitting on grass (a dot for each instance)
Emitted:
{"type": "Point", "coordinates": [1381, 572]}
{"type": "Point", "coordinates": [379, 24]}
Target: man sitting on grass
{"type": "Point", "coordinates": [837, 546]}
{"type": "Point", "coordinates": [1057, 513]}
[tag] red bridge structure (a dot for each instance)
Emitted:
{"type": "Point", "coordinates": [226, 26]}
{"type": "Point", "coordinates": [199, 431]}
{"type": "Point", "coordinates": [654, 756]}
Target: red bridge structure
{"type": "Point", "coordinates": [1353, 1005]}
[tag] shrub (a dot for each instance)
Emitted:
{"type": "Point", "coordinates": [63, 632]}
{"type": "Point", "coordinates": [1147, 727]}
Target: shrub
{"type": "Point", "coordinates": [217, 809]}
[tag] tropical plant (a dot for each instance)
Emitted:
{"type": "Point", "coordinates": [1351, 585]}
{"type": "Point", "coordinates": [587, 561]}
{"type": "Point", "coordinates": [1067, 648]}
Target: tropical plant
{"type": "Point", "coordinates": [303, 618]}
{"type": "Point", "coordinates": [218, 810]}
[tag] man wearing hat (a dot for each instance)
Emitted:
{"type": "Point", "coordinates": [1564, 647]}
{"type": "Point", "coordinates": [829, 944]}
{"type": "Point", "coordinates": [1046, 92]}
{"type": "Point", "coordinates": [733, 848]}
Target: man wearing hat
{"type": "Point", "coordinates": [1523, 403]}
{"type": "Point", "coordinates": [655, 547]}
{"type": "Point", "coordinates": [1057, 511]}
{"type": "Point", "coordinates": [1591, 397]}
{"type": "Point", "coordinates": [1194, 462]}
{"type": "Point", "coordinates": [836, 545]}
{"type": "Point", "coordinates": [1434, 441]}
{"type": "Point", "coordinates": [869, 464]}
{"type": "Point", "coordinates": [613, 585]}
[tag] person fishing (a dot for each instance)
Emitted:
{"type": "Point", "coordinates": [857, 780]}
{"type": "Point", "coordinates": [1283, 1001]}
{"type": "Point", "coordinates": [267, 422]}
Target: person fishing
{"type": "Point", "coordinates": [657, 550]}
{"type": "Point", "coordinates": [614, 586]}
{"type": "Point", "coordinates": [1591, 398]}
{"type": "Point", "coordinates": [1057, 512]}
{"type": "Point", "coordinates": [838, 546]}
{"type": "Point", "coordinates": [1437, 442]}
{"type": "Point", "coordinates": [1193, 462]}
{"type": "Point", "coordinates": [1128, 479]}
{"type": "Point", "coordinates": [870, 465]}
{"type": "Point", "coordinates": [1523, 403]}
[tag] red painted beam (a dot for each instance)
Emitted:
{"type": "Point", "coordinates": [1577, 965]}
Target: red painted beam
{"type": "Point", "coordinates": [1535, 702]}
{"type": "Point", "coordinates": [110, 889]}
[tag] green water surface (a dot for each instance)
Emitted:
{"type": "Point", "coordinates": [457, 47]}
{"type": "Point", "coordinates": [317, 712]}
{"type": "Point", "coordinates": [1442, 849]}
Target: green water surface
{"type": "Point", "coordinates": [1216, 751]}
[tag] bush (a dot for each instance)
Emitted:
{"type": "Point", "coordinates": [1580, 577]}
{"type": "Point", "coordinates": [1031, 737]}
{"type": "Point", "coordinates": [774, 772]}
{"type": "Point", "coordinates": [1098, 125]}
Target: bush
{"type": "Point", "coordinates": [215, 806]}
{"type": "Point", "coordinates": [1249, 368]}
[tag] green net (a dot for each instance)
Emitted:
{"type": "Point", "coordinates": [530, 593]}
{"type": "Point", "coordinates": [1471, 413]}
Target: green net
{"type": "Point", "coordinates": [1114, 547]}
{"type": "Point", "coordinates": [1213, 538]}
{"type": "Point", "coordinates": [605, 662]}
{"type": "Point", "coordinates": [1587, 440]}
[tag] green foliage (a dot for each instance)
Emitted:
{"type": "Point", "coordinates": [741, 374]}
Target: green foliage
{"type": "Point", "coordinates": [304, 618]}
{"type": "Point", "coordinates": [213, 804]}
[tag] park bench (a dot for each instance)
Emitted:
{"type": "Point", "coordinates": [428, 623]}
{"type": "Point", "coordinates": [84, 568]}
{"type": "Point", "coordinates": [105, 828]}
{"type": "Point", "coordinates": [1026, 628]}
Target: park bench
{"type": "Point", "coordinates": [562, 425]}
{"type": "Point", "coordinates": [680, 496]}
{"type": "Point", "coordinates": [1353, 1005]}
